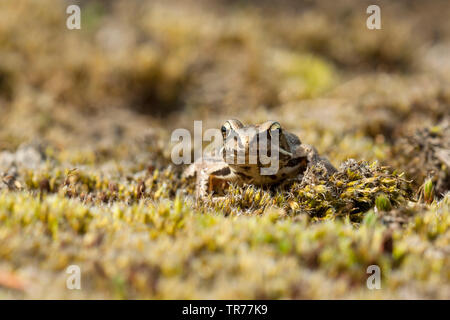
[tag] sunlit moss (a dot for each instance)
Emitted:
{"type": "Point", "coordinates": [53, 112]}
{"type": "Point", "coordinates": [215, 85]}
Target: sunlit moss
{"type": "Point", "coordinates": [301, 76]}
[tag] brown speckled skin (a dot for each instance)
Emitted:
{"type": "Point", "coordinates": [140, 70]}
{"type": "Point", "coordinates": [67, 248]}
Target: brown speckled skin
{"type": "Point", "coordinates": [214, 172]}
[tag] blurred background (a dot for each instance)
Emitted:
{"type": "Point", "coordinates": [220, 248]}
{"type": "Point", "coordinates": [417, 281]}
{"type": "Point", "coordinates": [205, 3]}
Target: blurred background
{"type": "Point", "coordinates": [138, 69]}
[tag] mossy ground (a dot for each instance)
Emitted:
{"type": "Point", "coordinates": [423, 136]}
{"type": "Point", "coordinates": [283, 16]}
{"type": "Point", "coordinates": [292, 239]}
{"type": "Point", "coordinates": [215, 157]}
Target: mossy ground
{"type": "Point", "coordinates": [86, 175]}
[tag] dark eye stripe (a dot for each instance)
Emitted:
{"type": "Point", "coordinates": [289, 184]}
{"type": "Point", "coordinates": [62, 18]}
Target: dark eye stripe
{"type": "Point", "coordinates": [222, 172]}
{"type": "Point", "coordinates": [296, 161]}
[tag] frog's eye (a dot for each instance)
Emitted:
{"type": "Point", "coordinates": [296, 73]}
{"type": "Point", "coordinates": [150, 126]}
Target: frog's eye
{"type": "Point", "coordinates": [226, 129]}
{"type": "Point", "coordinates": [275, 127]}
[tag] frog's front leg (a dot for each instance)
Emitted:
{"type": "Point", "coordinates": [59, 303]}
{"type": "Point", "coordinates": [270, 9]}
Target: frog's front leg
{"type": "Point", "coordinates": [212, 176]}
{"type": "Point", "coordinates": [202, 184]}
{"type": "Point", "coordinates": [213, 180]}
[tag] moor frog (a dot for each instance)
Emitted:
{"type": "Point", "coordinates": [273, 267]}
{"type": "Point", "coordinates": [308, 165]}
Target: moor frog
{"type": "Point", "coordinates": [240, 159]}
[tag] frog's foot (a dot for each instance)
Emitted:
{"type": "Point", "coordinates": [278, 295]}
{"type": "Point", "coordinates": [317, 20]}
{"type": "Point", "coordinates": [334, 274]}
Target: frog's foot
{"type": "Point", "coordinates": [208, 184]}
{"type": "Point", "coordinates": [210, 190]}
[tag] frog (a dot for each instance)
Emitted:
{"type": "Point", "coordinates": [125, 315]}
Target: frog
{"type": "Point", "coordinates": [240, 158]}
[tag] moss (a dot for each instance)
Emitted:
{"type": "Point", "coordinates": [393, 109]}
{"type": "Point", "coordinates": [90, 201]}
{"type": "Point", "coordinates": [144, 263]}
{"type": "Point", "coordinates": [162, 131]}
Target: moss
{"type": "Point", "coordinates": [162, 243]}
{"type": "Point", "coordinates": [424, 156]}
{"type": "Point", "coordinates": [301, 76]}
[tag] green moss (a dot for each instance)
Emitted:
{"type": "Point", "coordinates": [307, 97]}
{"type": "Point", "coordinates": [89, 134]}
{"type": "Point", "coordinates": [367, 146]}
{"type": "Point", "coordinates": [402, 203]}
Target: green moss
{"type": "Point", "coordinates": [301, 75]}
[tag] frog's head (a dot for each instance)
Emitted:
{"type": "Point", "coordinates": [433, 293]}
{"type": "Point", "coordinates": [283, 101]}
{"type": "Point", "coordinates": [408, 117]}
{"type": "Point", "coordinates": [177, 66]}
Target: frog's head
{"type": "Point", "coordinates": [246, 148]}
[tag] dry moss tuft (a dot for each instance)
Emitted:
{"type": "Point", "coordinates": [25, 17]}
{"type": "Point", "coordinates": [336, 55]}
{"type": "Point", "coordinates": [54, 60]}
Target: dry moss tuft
{"type": "Point", "coordinates": [426, 154]}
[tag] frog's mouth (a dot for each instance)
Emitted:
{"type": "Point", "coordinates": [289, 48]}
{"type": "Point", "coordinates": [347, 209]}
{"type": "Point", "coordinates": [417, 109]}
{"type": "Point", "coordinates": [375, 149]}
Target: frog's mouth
{"type": "Point", "coordinates": [255, 156]}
